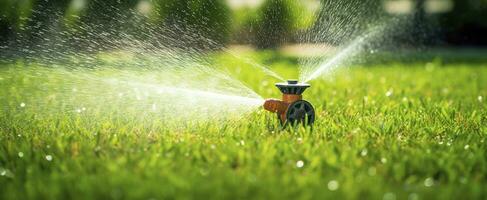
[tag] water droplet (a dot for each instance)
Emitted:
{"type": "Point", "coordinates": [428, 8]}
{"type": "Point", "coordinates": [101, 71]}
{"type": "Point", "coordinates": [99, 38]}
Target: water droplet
{"type": "Point", "coordinates": [20, 154]}
{"type": "Point", "coordinates": [479, 98]}
{"type": "Point", "coordinates": [372, 171]}
{"type": "Point", "coordinates": [389, 196]}
{"type": "Point", "coordinates": [429, 182]}
{"type": "Point", "coordinates": [445, 90]}
{"type": "Point", "coordinates": [300, 140]}
{"type": "Point", "coordinates": [413, 196]}
{"type": "Point", "coordinates": [356, 130]}
{"type": "Point", "coordinates": [22, 104]}
{"type": "Point", "coordinates": [299, 164]}
{"type": "Point", "coordinates": [333, 185]}
{"type": "Point", "coordinates": [383, 160]}
{"type": "Point", "coordinates": [49, 158]}
{"type": "Point", "coordinates": [466, 147]}
{"type": "Point", "coordinates": [400, 137]}
{"type": "Point", "coordinates": [212, 146]}
{"type": "Point", "coordinates": [242, 142]}
{"type": "Point", "coordinates": [389, 93]}
{"type": "Point", "coordinates": [363, 152]}
{"type": "Point", "coordinates": [430, 67]}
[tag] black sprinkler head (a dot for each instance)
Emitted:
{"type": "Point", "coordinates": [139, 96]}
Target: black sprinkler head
{"type": "Point", "coordinates": [292, 87]}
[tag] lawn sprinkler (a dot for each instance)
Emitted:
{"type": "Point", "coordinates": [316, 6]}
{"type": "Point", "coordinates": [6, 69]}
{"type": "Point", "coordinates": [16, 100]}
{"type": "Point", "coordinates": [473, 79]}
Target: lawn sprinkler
{"type": "Point", "coordinates": [291, 109]}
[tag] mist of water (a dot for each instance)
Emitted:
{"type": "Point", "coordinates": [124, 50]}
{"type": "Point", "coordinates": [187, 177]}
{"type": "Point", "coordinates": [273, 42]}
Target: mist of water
{"type": "Point", "coordinates": [165, 70]}
{"type": "Point", "coordinates": [254, 64]}
{"type": "Point", "coordinates": [156, 70]}
{"type": "Point", "coordinates": [376, 38]}
{"type": "Point", "coordinates": [328, 65]}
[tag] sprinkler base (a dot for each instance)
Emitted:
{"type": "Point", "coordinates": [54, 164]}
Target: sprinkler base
{"type": "Point", "coordinates": [297, 112]}
{"type": "Point", "coordinates": [291, 109]}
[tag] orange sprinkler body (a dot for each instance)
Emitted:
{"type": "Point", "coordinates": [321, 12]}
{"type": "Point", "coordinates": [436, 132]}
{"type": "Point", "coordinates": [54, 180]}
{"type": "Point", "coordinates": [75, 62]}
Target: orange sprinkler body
{"type": "Point", "coordinates": [291, 109]}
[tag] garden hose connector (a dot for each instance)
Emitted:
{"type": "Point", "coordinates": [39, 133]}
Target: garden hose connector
{"type": "Point", "coordinates": [292, 109]}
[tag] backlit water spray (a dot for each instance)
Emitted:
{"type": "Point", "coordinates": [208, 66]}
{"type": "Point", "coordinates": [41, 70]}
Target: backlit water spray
{"type": "Point", "coordinates": [327, 66]}
{"type": "Point", "coordinates": [254, 64]}
{"type": "Point", "coordinates": [359, 49]}
{"type": "Point", "coordinates": [159, 76]}
{"type": "Point", "coordinates": [157, 73]}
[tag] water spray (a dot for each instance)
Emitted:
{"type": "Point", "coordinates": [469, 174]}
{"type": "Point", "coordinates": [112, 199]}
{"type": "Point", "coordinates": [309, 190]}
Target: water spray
{"type": "Point", "coordinates": [292, 109]}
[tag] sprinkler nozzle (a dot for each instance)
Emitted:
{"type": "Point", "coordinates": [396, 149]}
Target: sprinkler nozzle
{"type": "Point", "coordinates": [291, 109]}
{"type": "Point", "coordinates": [292, 81]}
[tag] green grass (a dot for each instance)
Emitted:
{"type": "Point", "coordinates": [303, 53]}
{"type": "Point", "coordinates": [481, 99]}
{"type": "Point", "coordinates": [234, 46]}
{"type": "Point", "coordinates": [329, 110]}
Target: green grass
{"type": "Point", "coordinates": [425, 139]}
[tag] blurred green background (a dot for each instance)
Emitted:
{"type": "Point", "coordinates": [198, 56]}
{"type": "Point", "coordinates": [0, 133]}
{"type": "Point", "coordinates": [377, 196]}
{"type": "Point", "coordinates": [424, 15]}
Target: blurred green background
{"type": "Point", "coordinates": [261, 23]}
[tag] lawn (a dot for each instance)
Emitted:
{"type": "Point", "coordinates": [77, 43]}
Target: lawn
{"type": "Point", "coordinates": [400, 130]}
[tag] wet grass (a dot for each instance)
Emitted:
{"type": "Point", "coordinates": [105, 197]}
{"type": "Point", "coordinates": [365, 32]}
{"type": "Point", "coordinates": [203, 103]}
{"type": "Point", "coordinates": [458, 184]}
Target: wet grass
{"type": "Point", "coordinates": [399, 131]}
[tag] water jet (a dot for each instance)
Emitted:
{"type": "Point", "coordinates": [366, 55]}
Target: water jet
{"type": "Point", "coordinates": [292, 109]}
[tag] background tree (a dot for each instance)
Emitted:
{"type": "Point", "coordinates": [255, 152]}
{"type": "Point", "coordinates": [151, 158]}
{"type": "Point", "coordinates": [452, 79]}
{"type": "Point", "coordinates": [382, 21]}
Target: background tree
{"type": "Point", "coordinates": [466, 24]}
{"type": "Point", "coordinates": [102, 21]}
{"type": "Point", "coordinates": [13, 15]}
{"type": "Point", "coordinates": [45, 18]}
{"type": "Point", "coordinates": [199, 20]}
{"type": "Point", "coordinates": [274, 24]}
{"type": "Point", "coordinates": [339, 22]}
{"type": "Point", "coordinates": [108, 13]}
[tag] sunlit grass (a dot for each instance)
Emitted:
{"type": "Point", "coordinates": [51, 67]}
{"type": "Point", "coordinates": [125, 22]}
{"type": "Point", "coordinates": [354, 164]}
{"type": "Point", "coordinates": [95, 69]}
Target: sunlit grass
{"type": "Point", "coordinates": [383, 132]}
